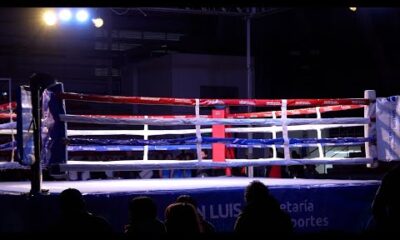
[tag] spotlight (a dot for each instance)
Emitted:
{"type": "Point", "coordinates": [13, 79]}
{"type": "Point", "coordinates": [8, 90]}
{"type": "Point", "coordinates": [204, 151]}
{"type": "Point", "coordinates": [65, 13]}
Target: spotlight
{"type": "Point", "coordinates": [50, 18]}
{"type": "Point", "coordinates": [65, 15]}
{"type": "Point", "coordinates": [98, 22]}
{"type": "Point", "coordinates": [353, 9]}
{"type": "Point", "coordinates": [82, 15]}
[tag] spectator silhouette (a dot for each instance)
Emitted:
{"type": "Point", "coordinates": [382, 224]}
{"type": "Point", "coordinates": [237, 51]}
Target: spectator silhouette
{"type": "Point", "coordinates": [203, 172]}
{"type": "Point", "coordinates": [182, 217]}
{"type": "Point", "coordinates": [207, 226]}
{"type": "Point", "coordinates": [262, 170]}
{"type": "Point", "coordinates": [189, 172]}
{"type": "Point", "coordinates": [296, 171]}
{"type": "Point", "coordinates": [179, 173]}
{"type": "Point", "coordinates": [75, 218]}
{"type": "Point", "coordinates": [386, 205]}
{"type": "Point", "coordinates": [310, 171]}
{"type": "Point", "coordinates": [282, 171]}
{"type": "Point", "coordinates": [143, 218]}
{"type": "Point", "coordinates": [166, 173]}
{"type": "Point", "coordinates": [262, 213]}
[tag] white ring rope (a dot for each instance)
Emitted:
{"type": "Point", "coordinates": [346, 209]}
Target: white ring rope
{"type": "Point", "coordinates": [129, 165]}
{"type": "Point", "coordinates": [204, 130]}
{"type": "Point", "coordinates": [213, 121]}
{"type": "Point", "coordinates": [8, 132]}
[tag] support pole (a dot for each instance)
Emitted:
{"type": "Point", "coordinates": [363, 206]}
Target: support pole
{"type": "Point", "coordinates": [38, 82]}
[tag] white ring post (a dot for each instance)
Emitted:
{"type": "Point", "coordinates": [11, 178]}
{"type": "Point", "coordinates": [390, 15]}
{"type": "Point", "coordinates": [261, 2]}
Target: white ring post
{"type": "Point", "coordinates": [198, 131]}
{"type": "Point", "coordinates": [370, 129]}
{"type": "Point", "coordinates": [146, 137]}
{"type": "Point", "coordinates": [285, 134]}
{"type": "Point", "coordinates": [319, 134]}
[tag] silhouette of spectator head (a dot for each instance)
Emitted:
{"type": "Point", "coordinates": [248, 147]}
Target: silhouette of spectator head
{"type": "Point", "coordinates": [189, 156]}
{"type": "Point", "coordinates": [262, 213]}
{"type": "Point", "coordinates": [280, 154]}
{"type": "Point", "coordinates": [75, 218]}
{"type": "Point", "coordinates": [207, 226]}
{"type": "Point", "coordinates": [256, 191]}
{"type": "Point", "coordinates": [71, 201]}
{"type": "Point", "coordinates": [187, 199]}
{"type": "Point", "coordinates": [204, 154]}
{"type": "Point", "coordinates": [295, 154]}
{"type": "Point", "coordinates": [269, 153]}
{"type": "Point", "coordinates": [182, 217]}
{"type": "Point", "coordinates": [168, 156]}
{"type": "Point", "coordinates": [142, 208]}
{"type": "Point", "coordinates": [386, 205]}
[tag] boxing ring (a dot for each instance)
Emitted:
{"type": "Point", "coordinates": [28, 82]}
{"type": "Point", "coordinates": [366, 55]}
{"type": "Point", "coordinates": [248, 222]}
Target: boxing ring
{"type": "Point", "coordinates": [314, 204]}
{"type": "Point", "coordinates": [8, 127]}
{"type": "Point", "coordinates": [62, 140]}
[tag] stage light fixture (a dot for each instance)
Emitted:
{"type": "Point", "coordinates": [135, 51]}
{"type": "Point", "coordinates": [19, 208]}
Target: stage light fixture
{"type": "Point", "coordinates": [98, 22]}
{"type": "Point", "coordinates": [49, 18]}
{"type": "Point", "coordinates": [82, 15]}
{"type": "Point", "coordinates": [353, 9]}
{"type": "Point", "coordinates": [65, 15]}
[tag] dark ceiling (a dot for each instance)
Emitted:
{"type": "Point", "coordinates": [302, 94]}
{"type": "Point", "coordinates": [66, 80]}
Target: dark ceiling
{"type": "Point", "coordinates": [319, 52]}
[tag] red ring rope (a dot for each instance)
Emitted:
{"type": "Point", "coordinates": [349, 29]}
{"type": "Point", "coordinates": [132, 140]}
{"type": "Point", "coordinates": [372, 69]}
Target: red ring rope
{"type": "Point", "coordinates": [6, 106]}
{"type": "Point", "coordinates": [301, 111]}
{"type": "Point", "coordinates": [7, 115]}
{"type": "Point", "coordinates": [210, 102]}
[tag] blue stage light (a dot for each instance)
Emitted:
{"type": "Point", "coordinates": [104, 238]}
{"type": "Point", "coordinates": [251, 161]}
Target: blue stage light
{"type": "Point", "coordinates": [82, 15]}
{"type": "Point", "coordinates": [65, 15]}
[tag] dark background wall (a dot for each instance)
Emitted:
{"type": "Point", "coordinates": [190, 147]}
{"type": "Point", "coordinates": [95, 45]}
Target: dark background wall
{"type": "Point", "coordinates": [312, 52]}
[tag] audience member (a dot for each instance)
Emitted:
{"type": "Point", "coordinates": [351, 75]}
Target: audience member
{"type": "Point", "coordinates": [386, 205]}
{"type": "Point", "coordinates": [166, 173]}
{"type": "Point", "coordinates": [203, 172]}
{"type": "Point", "coordinates": [310, 171]}
{"type": "Point", "coordinates": [143, 218]}
{"type": "Point", "coordinates": [261, 171]}
{"type": "Point", "coordinates": [262, 213]}
{"type": "Point", "coordinates": [179, 173]}
{"type": "Point", "coordinates": [189, 172]}
{"type": "Point", "coordinates": [296, 171]}
{"type": "Point", "coordinates": [182, 217]}
{"type": "Point", "coordinates": [207, 226]}
{"type": "Point", "coordinates": [75, 218]}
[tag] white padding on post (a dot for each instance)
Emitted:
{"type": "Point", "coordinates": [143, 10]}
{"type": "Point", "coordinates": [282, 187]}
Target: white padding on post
{"type": "Point", "coordinates": [198, 132]}
{"type": "Point", "coordinates": [388, 128]}
{"type": "Point", "coordinates": [285, 134]}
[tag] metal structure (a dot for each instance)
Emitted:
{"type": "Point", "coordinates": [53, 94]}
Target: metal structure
{"type": "Point", "coordinates": [221, 11]}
